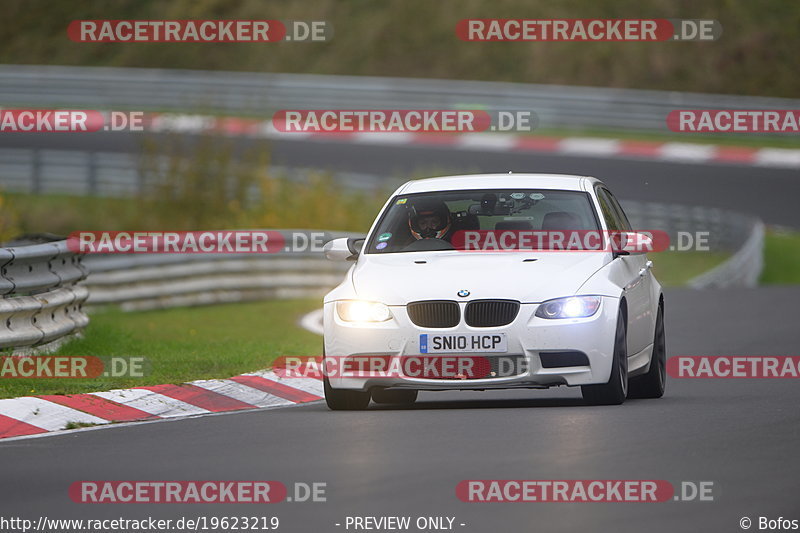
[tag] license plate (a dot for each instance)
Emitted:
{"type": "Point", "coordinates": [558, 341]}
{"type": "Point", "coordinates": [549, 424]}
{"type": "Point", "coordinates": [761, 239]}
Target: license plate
{"type": "Point", "coordinates": [462, 343]}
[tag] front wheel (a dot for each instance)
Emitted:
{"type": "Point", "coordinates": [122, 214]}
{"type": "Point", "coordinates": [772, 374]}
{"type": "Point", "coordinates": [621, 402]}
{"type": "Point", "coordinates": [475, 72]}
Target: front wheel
{"type": "Point", "coordinates": [615, 391]}
{"type": "Point", "coordinates": [652, 384]}
{"type": "Point", "coordinates": [343, 399]}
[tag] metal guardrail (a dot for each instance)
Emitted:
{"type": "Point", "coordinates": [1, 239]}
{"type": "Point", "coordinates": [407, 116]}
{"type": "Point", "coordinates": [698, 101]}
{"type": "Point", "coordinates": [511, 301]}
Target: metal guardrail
{"type": "Point", "coordinates": [41, 304]}
{"type": "Point", "coordinates": [725, 230]}
{"type": "Point", "coordinates": [743, 235]}
{"type": "Point", "coordinates": [154, 281]}
{"type": "Point", "coordinates": [262, 94]}
{"type": "Point", "coordinates": [741, 270]}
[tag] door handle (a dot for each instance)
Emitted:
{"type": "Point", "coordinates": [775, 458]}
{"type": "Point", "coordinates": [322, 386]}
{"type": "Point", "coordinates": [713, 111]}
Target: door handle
{"type": "Point", "coordinates": [647, 266]}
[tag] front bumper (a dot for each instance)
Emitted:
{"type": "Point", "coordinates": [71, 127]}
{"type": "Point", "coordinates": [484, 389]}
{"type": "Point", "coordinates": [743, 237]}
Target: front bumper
{"type": "Point", "coordinates": [528, 336]}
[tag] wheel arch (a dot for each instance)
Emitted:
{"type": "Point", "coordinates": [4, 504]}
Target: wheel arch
{"type": "Point", "coordinates": [623, 306]}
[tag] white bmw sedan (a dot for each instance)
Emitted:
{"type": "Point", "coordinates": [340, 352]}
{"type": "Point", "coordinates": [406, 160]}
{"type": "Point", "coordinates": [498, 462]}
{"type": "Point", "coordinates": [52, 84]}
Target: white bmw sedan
{"type": "Point", "coordinates": [495, 282]}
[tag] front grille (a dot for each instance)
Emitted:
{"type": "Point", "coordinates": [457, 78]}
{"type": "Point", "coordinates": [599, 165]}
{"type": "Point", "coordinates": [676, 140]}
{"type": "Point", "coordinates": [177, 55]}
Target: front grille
{"type": "Point", "coordinates": [491, 313]}
{"type": "Point", "coordinates": [434, 313]}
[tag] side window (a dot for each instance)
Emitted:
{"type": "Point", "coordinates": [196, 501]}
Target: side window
{"type": "Point", "coordinates": [609, 214]}
{"type": "Point", "coordinates": [626, 225]}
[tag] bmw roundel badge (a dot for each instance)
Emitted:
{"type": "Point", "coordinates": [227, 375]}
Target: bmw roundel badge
{"type": "Point", "coordinates": [463, 293]}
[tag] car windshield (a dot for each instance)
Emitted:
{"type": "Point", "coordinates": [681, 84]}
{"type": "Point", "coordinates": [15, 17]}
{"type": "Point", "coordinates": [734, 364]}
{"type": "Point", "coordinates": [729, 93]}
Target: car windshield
{"type": "Point", "coordinates": [428, 221]}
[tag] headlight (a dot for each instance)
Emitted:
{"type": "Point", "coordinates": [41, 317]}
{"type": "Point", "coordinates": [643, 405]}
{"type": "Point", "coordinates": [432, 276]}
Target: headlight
{"type": "Point", "coordinates": [361, 311]}
{"type": "Point", "coordinates": [572, 307]}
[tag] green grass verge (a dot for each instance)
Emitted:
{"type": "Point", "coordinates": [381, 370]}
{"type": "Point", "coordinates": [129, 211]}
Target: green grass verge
{"type": "Point", "coordinates": [781, 261]}
{"type": "Point", "coordinates": [673, 269]}
{"type": "Point", "coordinates": [781, 258]}
{"type": "Point", "coordinates": [184, 344]}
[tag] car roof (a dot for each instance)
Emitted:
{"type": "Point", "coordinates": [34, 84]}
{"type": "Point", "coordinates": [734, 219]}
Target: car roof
{"type": "Point", "coordinates": [565, 182]}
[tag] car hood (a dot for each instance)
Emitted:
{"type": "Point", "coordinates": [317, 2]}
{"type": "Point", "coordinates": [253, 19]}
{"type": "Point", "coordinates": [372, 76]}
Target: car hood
{"type": "Point", "coordinates": [396, 279]}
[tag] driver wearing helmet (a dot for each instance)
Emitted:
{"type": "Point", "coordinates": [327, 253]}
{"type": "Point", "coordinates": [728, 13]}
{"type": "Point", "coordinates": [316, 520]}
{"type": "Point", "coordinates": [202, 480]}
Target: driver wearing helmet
{"type": "Point", "coordinates": [429, 221]}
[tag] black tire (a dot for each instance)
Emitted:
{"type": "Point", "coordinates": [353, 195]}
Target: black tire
{"type": "Point", "coordinates": [396, 397]}
{"type": "Point", "coordinates": [654, 382]}
{"type": "Point", "coordinates": [615, 391]}
{"type": "Point", "coordinates": [343, 399]}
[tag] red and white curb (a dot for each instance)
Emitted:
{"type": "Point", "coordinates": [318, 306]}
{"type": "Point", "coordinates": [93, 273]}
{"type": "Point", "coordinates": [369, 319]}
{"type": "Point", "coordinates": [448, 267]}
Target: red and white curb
{"type": "Point", "coordinates": [313, 322]}
{"type": "Point", "coordinates": [676, 152]}
{"type": "Point", "coordinates": [35, 415]}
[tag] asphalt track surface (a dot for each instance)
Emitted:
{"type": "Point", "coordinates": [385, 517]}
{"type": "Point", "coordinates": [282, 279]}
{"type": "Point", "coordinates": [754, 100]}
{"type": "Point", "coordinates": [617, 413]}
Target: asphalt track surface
{"type": "Point", "coordinates": [741, 434]}
{"type": "Point", "coordinates": [770, 193]}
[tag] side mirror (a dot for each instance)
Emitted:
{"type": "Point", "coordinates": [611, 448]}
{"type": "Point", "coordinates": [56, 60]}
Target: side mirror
{"type": "Point", "coordinates": [632, 243]}
{"type": "Point", "coordinates": [344, 249]}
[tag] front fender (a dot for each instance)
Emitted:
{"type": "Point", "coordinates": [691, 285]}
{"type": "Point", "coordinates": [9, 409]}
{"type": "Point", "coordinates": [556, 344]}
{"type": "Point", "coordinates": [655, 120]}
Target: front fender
{"type": "Point", "coordinates": [608, 281]}
{"type": "Point", "coordinates": [344, 291]}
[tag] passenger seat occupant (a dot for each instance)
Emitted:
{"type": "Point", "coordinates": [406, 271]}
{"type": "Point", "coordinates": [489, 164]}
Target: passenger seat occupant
{"type": "Point", "coordinates": [560, 220]}
{"type": "Point", "coordinates": [429, 220]}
